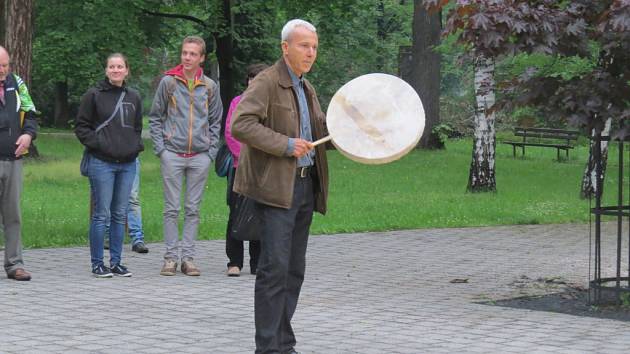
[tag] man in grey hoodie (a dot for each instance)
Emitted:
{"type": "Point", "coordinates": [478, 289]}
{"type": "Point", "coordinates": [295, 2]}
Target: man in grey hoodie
{"type": "Point", "coordinates": [185, 121]}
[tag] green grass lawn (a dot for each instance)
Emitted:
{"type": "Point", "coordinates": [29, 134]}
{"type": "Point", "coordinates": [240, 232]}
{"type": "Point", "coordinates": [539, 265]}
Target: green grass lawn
{"type": "Point", "coordinates": [424, 189]}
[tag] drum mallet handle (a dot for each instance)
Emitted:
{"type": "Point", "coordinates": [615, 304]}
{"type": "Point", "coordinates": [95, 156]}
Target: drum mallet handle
{"type": "Point", "coordinates": [322, 140]}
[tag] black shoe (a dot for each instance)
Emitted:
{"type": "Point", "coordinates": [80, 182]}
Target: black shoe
{"type": "Point", "coordinates": [101, 271]}
{"type": "Point", "coordinates": [121, 270]}
{"type": "Point", "coordinates": [140, 247]}
{"type": "Point", "coordinates": [253, 271]}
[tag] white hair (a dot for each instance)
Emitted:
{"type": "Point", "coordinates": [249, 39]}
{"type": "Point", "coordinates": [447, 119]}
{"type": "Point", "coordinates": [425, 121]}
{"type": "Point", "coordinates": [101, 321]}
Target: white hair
{"type": "Point", "coordinates": [292, 25]}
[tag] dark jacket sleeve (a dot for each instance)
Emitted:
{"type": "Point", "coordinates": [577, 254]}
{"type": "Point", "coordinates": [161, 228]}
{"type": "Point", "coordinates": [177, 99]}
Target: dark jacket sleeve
{"type": "Point", "coordinates": [84, 124]}
{"type": "Point", "coordinates": [30, 125]}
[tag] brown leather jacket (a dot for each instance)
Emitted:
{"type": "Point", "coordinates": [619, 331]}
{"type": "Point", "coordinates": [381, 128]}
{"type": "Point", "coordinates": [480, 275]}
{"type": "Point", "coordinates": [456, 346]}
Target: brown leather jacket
{"type": "Point", "coordinates": [266, 117]}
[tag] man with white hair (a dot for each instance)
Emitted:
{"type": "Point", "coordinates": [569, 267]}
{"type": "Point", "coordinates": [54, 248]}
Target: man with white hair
{"type": "Point", "coordinates": [276, 120]}
{"type": "Point", "coordinates": [16, 134]}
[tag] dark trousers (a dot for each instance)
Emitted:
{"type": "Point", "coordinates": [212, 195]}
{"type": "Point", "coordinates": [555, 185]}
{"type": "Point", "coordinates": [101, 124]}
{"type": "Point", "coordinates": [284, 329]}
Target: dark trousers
{"type": "Point", "coordinates": [281, 268]}
{"type": "Point", "coordinates": [233, 247]}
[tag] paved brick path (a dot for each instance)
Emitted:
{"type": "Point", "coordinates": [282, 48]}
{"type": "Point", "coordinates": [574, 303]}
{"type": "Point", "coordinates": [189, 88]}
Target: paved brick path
{"type": "Point", "coordinates": [363, 293]}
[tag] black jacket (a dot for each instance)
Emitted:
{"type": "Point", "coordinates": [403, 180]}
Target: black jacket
{"type": "Point", "coordinates": [120, 140]}
{"type": "Point", "coordinates": [10, 126]}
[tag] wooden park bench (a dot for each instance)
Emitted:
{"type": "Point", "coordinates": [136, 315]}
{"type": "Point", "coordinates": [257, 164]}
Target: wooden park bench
{"type": "Point", "coordinates": [544, 137]}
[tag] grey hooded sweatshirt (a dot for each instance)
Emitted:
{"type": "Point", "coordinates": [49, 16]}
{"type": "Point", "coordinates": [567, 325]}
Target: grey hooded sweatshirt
{"type": "Point", "coordinates": [186, 120]}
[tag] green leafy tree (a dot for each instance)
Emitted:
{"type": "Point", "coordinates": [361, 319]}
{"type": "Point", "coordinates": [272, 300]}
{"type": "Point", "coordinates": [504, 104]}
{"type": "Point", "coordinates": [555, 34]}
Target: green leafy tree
{"type": "Point", "coordinates": [237, 32]}
{"type": "Point", "coordinates": [349, 40]}
{"type": "Point", "coordinates": [495, 29]}
{"type": "Point", "coordinates": [249, 31]}
{"type": "Point", "coordinates": [561, 29]}
{"type": "Point", "coordinates": [72, 41]}
{"type": "Point", "coordinates": [73, 38]}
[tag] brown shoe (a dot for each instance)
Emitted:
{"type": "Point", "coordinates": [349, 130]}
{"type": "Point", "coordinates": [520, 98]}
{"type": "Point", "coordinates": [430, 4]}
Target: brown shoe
{"type": "Point", "coordinates": [169, 268]}
{"type": "Point", "coordinates": [233, 271]}
{"type": "Point", "coordinates": [189, 268]}
{"type": "Point", "coordinates": [20, 274]}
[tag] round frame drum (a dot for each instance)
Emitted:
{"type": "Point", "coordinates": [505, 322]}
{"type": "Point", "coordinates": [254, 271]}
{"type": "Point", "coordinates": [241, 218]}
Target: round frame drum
{"type": "Point", "coordinates": [375, 119]}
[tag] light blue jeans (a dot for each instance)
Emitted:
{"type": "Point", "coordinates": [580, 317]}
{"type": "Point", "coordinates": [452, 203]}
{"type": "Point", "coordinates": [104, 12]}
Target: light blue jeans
{"type": "Point", "coordinates": [111, 186]}
{"type": "Point", "coordinates": [134, 215]}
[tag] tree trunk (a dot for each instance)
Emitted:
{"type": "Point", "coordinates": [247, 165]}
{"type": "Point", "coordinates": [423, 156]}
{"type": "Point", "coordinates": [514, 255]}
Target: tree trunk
{"type": "Point", "coordinates": [225, 57]}
{"type": "Point", "coordinates": [589, 179]}
{"type": "Point", "coordinates": [381, 34]}
{"type": "Point", "coordinates": [3, 22]}
{"type": "Point", "coordinates": [425, 71]}
{"type": "Point", "coordinates": [482, 172]}
{"type": "Point", "coordinates": [19, 36]}
{"type": "Point", "coordinates": [62, 111]}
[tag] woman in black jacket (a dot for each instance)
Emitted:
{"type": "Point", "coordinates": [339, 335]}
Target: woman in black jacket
{"type": "Point", "coordinates": [109, 124]}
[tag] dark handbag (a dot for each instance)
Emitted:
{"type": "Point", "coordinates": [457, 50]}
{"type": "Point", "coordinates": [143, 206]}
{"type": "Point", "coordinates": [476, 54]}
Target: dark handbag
{"type": "Point", "coordinates": [247, 224]}
{"type": "Point", "coordinates": [223, 162]}
{"type": "Point", "coordinates": [85, 161]}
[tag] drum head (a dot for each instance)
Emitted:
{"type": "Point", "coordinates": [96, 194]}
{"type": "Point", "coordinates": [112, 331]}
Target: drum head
{"type": "Point", "coordinates": [375, 119]}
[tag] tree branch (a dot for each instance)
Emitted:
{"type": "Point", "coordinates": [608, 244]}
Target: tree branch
{"type": "Point", "coordinates": [180, 16]}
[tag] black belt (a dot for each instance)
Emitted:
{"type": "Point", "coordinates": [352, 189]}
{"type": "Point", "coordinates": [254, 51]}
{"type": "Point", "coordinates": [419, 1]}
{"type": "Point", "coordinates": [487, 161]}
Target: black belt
{"type": "Point", "coordinates": [304, 172]}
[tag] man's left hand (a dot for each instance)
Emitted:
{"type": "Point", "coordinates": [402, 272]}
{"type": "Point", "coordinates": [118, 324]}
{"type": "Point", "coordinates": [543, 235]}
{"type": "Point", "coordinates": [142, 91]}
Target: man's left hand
{"type": "Point", "coordinates": [23, 143]}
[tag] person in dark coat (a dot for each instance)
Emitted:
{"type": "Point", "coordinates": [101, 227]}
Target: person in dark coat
{"type": "Point", "coordinates": [109, 124]}
{"type": "Point", "coordinates": [17, 130]}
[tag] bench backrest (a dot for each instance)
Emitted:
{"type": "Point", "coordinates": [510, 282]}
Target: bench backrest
{"type": "Point", "coordinates": [546, 133]}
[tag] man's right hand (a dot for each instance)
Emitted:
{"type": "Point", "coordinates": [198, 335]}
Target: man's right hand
{"type": "Point", "coordinates": [301, 147]}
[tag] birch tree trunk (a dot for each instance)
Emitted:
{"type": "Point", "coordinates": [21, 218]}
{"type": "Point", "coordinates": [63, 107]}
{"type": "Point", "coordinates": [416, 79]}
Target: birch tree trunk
{"type": "Point", "coordinates": [481, 178]}
{"type": "Point", "coordinates": [589, 179]}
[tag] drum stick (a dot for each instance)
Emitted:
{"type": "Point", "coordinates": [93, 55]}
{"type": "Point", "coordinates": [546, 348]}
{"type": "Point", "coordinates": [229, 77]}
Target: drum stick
{"type": "Point", "coordinates": [322, 140]}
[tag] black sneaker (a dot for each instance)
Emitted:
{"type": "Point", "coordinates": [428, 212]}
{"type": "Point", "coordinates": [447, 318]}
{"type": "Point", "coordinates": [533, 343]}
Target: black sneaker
{"type": "Point", "coordinates": [101, 271]}
{"type": "Point", "coordinates": [140, 247]}
{"type": "Point", "coordinates": [121, 270]}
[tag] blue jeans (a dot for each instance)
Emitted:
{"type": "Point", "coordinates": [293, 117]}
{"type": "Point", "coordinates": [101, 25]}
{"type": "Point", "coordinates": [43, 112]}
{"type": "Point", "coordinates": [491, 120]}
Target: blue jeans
{"type": "Point", "coordinates": [111, 186]}
{"type": "Point", "coordinates": [134, 215]}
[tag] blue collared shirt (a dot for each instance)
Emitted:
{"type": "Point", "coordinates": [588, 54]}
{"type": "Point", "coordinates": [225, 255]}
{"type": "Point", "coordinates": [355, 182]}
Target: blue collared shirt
{"type": "Point", "coordinates": [305, 121]}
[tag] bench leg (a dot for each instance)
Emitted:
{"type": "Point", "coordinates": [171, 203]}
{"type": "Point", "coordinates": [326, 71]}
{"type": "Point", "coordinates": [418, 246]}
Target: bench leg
{"type": "Point", "coordinates": [523, 150]}
{"type": "Point", "coordinates": [558, 150]}
{"type": "Point", "coordinates": [514, 150]}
